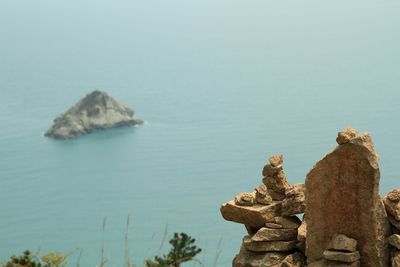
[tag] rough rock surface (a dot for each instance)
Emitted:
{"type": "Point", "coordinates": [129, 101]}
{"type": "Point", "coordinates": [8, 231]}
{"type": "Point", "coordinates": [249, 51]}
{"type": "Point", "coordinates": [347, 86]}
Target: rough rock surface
{"type": "Point", "coordinates": [392, 207]}
{"type": "Point", "coordinates": [342, 197]}
{"type": "Point", "coordinates": [341, 256]}
{"type": "Point", "coordinates": [252, 216]}
{"type": "Point", "coordinates": [394, 222]}
{"type": "Point", "coordinates": [394, 240]}
{"type": "Point", "coordinates": [294, 203]}
{"type": "Point", "coordinates": [301, 236]}
{"type": "Point", "coordinates": [245, 199]}
{"type": "Point", "coordinates": [268, 234]}
{"type": "Point", "coordinates": [294, 260]}
{"type": "Point", "coordinates": [342, 242]}
{"type": "Point", "coordinates": [262, 196]}
{"type": "Point", "coordinates": [326, 263]}
{"type": "Point", "coordinates": [96, 111]}
{"type": "Point", "coordinates": [264, 246]}
{"type": "Point", "coordinates": [274, 176]}
{"type": "Point", "coordinates": [273, 226]}
{"type": "Point", "coordinates": [247, 258]}
{"type": "Point", "coordinates": [288, 222]}
{"type": "Point", "coordinates": [395, 258]}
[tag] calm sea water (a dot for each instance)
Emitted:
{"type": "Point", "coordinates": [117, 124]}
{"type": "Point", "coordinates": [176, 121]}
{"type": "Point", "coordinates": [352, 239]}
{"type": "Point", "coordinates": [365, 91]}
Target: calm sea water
{"type": "Point", "coordinates": [221, 85]}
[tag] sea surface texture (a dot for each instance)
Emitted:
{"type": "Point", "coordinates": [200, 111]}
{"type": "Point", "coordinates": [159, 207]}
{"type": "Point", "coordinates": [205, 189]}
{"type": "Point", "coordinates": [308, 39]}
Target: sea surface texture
{"type": "Point", "coordinates": [220, 84]}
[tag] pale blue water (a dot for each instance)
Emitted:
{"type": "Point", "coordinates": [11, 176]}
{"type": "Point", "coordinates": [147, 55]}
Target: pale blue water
{"type": "Point", "coordinates": [221, 85]}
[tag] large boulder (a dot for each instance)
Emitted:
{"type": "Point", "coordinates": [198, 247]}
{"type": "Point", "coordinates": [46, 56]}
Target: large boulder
{"type": "Point", "coordinates": [342, 197]}
{"type": "Point", "coordinates": [94, 112]}
{"type": "Point", "coordinates": [255, 216]}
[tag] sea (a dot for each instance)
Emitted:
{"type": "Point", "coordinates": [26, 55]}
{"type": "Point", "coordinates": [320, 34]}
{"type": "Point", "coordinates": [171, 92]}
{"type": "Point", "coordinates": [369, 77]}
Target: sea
{"type": "Point", "coordinates": [220, 84]}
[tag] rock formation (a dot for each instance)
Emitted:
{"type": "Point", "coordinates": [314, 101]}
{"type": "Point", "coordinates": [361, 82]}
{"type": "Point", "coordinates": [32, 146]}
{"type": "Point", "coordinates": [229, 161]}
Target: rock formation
{"type": "Point", "coordinates": [345, 222]}
{"type": "Point", "coordinates": [96, 111]}
{"type": "Point", "coordinates": [343, 198]}
{"type": "Point", "coordinates": [269, 214]}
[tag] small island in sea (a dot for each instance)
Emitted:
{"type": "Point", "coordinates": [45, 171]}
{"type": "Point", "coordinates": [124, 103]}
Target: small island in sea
{"type": "Point", "coordinates": [96, 111]}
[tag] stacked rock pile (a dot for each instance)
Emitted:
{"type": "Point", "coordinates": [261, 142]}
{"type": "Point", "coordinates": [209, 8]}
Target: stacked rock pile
{"type": "Point", "coordinates": [392, 205]}
{"type": "Point", "coordinates": [269, 215]}
{"type": "Point", "coordinates": [341, 251]}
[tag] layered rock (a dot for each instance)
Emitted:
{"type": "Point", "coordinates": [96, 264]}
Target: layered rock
{"type": "Point", "coordinates": [342, 197]}
{"type": "Point", "coordinates": [269, 216]}
{"type": "Point", "coordinates": [94, 112]}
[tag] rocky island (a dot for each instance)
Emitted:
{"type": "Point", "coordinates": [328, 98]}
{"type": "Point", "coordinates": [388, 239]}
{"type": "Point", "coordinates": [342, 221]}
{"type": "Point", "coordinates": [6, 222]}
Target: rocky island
{"type": "Point", "coordinates": [96, 111]}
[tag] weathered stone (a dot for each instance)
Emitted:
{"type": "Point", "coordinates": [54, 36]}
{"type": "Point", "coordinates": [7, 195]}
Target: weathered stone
{"type": "Point", "coordinates": [268, 234]}
{"type": "Point", "coordinates": [247, 258]}
{"type": "Point", "coordinates": [394, 240]}
{"type": "Point", "coordinates": [273, 226]}
{"type": "Point", "coordinates": [262, 196]}
{"type": "Point", "coordinates": [276, 160]}
{"type": "Point", "coordinates": [294, 203]}
{"type": "Point", "coordinates": [392, 207]}
{"type": "Point", "coordinates": [395, 258]}
{"type": "Point", "coordinates": [301, 236]}
{"type": "Point", "coordinates": [263, 246]}
{"type": "Point", "coordinates": [254, 216]}
{"type": "Point", "coordinates": [342, 242]}
{"type": "Point", "coordinates": [346, 136]}
{"type": "Point", "coordinates": [335, 255]}
{"type": "Point", "coordinates": [394, 195]}
{"type": "Point", "coordinates": [251, 230]}
{"type": "Point", "coordinates": [276, 183]}
{"type": "Point", "coordinates": [270, 170]}
{"type": "Point", "coordinates": [276, 196]}
{"type": "Point", "coordinates": [245, 199]}
{"type": "Point", "coordinates": [394, 222]}
{"type": "Point", "coordinates": [294, 260]}
{"type": "Point", "coordinates": [288, 222]}
{"type": "Point", "coordinates": [343, 197]}
{"type": "Point", "coordinates": [96, 111]}
{"type": "Point", "coordinates": [326, 263]}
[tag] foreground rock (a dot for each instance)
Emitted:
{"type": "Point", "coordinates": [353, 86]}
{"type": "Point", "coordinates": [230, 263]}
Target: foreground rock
{"type": "Point", "coordinates": [247, 258]}
{"type": "Point", "coordinates": [94, 112]}
{"type": "Point", "coordinates": [342, 197]}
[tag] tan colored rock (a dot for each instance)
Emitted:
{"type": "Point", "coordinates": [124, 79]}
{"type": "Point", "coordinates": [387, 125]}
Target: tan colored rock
{"type": "Point", "coordinates": [346, 136]}
{"type": "Point", "coordinates": [276, 196]}
{"type": "Point", "coordinates": [392, 207]}
{"type": "Point", "coordinates": [343, 197]}
{"type": "Point", "coordinates": [245, 199]}
{"type": "Point", "coordinates": [294, 260]}
{"type": "Point", "coordinates": [326, 263]}
{"type": "Point", "coordinates": [254, 216]}
{"type": "Point", "coordinates": [264, 246]}
{"type": "Point", "coordinates": [276, 183]}
{"type": "Point", "coordinates": [276, 160]}
{"type": "Point", "coordinates": [395, 258]}
{"type": "Point", "coordinates": [394, 195]}
{"type": "Point", "coordinates": [301, 236]}
{"type": "Point", "coordinates": [342, 256]}
{"type": "Point", "coordinates": [394, 222]}
{"type": "Point", "coordinates": [288, 222]}
{"type": "Point", "coordinates": [394, 240]}
{"type": "Point", "coordinates": [342, 242]}
{"type": "Point", "coordinates": [268, 234]}
{"type": "Point", "coordinates": [251, 230]}
{"type": "Point", "coordinates": [273, 226]}
{"type": "Point", "coordinates": [294, 203]}
{"type": "Point", "coordinates": [247, 258]}
{"type": "Point", "coordinates": [262, 196]}
{"type": "Point", "coordinates": [270, 170]}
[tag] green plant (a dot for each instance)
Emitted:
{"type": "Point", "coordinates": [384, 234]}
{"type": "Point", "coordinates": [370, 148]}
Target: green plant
{"type": "Point", "coordinates": [183, 249]}
{"type": "Point", "coordinates": [27, 259]}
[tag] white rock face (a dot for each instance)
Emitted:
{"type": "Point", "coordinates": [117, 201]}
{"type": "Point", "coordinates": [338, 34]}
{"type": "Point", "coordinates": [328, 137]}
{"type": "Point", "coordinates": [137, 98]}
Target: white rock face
{"type": "Point", "coordinates": [95, 111]}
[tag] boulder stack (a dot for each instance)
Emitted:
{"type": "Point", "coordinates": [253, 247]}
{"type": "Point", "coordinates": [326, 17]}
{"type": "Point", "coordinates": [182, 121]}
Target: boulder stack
{"type": "Point", "coordinates": [345, 221]}
{"type": "Point", "coordinates": [269, 215]}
